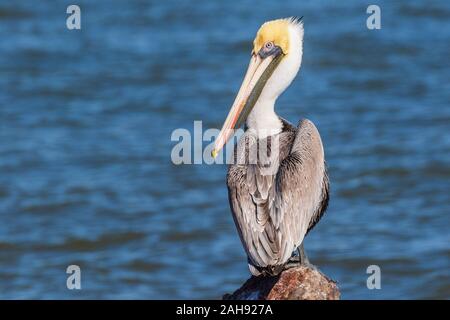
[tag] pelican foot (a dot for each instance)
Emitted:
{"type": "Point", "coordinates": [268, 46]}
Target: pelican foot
{"type": "Point", "coordinates": [299, 259]}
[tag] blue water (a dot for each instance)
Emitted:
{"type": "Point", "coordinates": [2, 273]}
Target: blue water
{"type": "Point", "coordinates": [86, 119]}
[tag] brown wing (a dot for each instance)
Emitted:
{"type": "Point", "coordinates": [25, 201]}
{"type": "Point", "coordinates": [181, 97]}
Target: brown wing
{"type": "Point", "coordinates": [273, 212]}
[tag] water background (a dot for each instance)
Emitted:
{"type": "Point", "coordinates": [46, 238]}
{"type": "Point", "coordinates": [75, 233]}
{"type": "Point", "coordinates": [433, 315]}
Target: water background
{"type": "Point", "coordinates": [86, 119]}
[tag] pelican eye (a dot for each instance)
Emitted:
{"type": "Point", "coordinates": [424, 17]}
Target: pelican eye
{"type": "Point", "coordinates": [268, 46]}
{"type": "Point", "coordinates": [268, 49]}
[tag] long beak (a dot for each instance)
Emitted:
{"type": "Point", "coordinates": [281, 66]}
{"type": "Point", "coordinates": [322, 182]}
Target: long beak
{"type": "Point", "coordinates": [258, 72]}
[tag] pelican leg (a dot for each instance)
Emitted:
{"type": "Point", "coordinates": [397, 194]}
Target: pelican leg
{"type": "Point", "coordinates": [304, 261]}
{"type": "Point", "coordinates": [302, 254]}
{"type": "Point", "coordinates": [298, 259]}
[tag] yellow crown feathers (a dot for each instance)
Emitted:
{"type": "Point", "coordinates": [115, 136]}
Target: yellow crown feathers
{"type": "Point", "coordinates": [276, 31]}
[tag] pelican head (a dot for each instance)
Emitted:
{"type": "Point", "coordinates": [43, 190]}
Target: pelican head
{"type": "Point", "coordinates": [275, 61]}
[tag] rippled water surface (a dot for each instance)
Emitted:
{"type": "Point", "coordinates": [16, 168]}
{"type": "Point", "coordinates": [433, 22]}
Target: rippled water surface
{"type": "Point", "coordinates": [86, 119]}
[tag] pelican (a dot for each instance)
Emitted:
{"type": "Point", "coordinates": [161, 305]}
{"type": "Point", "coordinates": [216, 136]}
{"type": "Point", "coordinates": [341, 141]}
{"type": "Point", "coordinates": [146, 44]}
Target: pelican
{"type": "Point", "coordinates": [277, 199]}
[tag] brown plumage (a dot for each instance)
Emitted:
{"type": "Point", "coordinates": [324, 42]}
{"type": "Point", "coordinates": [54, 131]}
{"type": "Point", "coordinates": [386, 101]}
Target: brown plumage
{"type": "Point", "coordinates": [278, 199]}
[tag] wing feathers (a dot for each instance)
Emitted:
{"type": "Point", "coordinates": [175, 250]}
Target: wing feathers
{"type": "Point", "coordinates": [273, 208]}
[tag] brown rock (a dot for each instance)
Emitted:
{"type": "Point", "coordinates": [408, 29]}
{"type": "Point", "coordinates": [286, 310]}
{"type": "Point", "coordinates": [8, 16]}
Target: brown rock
{"type": "Point", "coordinates": [300, 283]}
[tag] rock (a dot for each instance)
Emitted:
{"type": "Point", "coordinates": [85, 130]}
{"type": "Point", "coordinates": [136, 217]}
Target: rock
{"type": "Point", "coordinates": [300, 283]}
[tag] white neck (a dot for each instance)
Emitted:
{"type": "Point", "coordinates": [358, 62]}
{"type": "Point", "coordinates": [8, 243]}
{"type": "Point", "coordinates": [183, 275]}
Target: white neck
{"type": "Point", "coordinates": [262, 119]}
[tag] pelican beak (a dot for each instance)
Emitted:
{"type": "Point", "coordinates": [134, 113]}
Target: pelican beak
{"type": "Point", "coordinates": [259, 71]}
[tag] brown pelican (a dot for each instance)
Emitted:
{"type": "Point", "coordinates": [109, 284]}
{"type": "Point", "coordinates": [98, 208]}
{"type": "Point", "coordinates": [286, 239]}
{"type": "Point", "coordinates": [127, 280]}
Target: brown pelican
{"type": "Point", "coordinates": [277, 199]}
